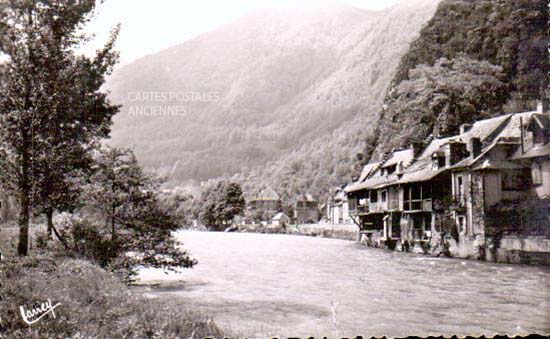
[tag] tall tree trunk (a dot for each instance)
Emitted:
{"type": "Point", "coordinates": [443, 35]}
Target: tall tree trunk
{"type": "Point", "coordinates": [113, 231]}
{"type": "Point", "coordinates": [49, 217]}
{"type": "Point", "coordinates": [24, 209]}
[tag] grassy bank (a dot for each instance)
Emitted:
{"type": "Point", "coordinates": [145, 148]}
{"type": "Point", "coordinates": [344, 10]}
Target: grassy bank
{"type": "Point", "coordinates": [94, 302]}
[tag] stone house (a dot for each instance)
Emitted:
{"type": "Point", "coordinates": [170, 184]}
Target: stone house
{"type": "Point", "coordinates": [306, 210]}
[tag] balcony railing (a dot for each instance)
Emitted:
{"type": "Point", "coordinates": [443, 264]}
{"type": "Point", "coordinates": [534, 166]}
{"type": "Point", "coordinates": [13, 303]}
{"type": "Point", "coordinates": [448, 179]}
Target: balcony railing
{"type": "Point", "coordinates": [359, 210]}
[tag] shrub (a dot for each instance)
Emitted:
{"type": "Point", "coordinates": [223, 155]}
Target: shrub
{"type": "Point", "coordinates": [94, 304]}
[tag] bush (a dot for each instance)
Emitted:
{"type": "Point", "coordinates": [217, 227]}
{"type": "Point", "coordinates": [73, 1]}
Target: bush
{"type": "Point", "coordinates": [94, 303]}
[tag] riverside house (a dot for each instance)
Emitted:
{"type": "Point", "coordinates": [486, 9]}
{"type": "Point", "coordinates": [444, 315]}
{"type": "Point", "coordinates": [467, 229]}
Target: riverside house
{"type": "Point", "coordinates": [337, 208]}
{"type": "Point", "coordinates": [267, 200]}
{"type": "Point", "coordinates": [482, 194]}
{"type": "Point", "coordinates": [306, 210]}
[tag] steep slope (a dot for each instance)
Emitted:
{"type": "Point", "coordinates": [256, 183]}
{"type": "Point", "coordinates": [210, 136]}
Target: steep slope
{"type": "Point", "coordinates": [296, 83]}
{"type": "Point", "coordinates": [511, 35]}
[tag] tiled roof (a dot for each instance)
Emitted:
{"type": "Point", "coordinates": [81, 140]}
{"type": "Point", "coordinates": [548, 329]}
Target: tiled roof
{"type": "Point", "coordinates": [499, 130]}
{"type": "Point", "coordinates": [267, 194]}
{"type": "Point", "coordinates": [366, 171]}
{"type": "Point", "coordinates": [403, 156]}
{"type": "Point", "coordinates": [511, 130]}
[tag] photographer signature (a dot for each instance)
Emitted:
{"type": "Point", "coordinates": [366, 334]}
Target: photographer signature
{"type": "Point", "coordinates": [34, 314]}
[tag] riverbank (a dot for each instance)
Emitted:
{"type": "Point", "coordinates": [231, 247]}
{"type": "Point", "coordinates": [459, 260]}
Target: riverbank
{"type": "Point", "coordinates": [342, 232]}
{"type": "Point", "coordinates": [94, 303]}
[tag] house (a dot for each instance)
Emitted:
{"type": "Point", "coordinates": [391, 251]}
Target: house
{"type": "Point", "coordinates": [280, 219]}
{"type": "Point", "coordinates": [337, 208]}
{"type": "Point", "coordinates": [306, 210]}
{"type": "Point", "coordinates": [451, 194]}
{"type": "Point", "coordinates": [500, 189]}
{"type": "Point", "coordinates": [266, 203]}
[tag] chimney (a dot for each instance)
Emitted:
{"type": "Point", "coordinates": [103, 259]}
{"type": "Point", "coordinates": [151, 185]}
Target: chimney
{"type": "Point", "coordinates": [474, 147]}
{"type": "Point", "coordinates": [465, 128]}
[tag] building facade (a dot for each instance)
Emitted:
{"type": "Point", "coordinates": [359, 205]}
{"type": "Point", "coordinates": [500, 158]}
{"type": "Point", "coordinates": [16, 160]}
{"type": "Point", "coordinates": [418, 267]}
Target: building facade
{"type": "Point", "coordinates": [451, 195]}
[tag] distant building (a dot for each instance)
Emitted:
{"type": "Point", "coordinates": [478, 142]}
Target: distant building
{"type": "Point", "coordinates": [306, 210]}
{"type": "Point", "coordinates": [280, 219]}
{"type": "Point", "coordinates": [338, 208]}
{"type": "Point", "coordinates": [265, 204]}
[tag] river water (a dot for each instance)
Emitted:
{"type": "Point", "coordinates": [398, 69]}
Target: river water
{"type": "Point", "coordinates": [259, 285]}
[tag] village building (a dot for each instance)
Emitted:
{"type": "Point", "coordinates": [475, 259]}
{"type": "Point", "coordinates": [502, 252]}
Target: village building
{"type": "Point", "coordinates": [280, 219]}
{"type": "Point", "coordinates": [337, 208]}
{"type": "Point", "coordinates": [306, 210]}
{"type": "Point", "coordinates": [451, 194]}
{"type": "Point", "coordinates": [266, 203]}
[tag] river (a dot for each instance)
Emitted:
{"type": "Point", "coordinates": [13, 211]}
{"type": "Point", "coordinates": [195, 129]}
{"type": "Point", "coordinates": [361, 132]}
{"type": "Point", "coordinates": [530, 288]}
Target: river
{"type": "Point", "coordinates": [260, 285]}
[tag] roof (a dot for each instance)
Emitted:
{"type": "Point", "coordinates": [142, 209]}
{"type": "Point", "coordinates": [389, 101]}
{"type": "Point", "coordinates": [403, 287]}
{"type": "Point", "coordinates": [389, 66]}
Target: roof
{"type": "Point", "coordinates": [279, 216]}
{"type": "Point", "coordinates": [306, 197]}
{"type": "Point", "coordinates": [507, 134]}
{"type": "Point", "coordinates": [541, 121]}
{"type": "Point", "coordinates": [497, 164]}
{"type": "Point", "coordinates": [369, 183]}
{"type": "Point", "coordinates": [535, 152]}
{"type": "Point", "coordinates": [267, 194]}
{"type": "Point", "coordinates": [366, 171]}
{"type": "Point", "coordinates": [501, 130]}
{"type": "Point", "coordinates": [421, 171]}
{"type": "Point", "coordinates": [400, 156]}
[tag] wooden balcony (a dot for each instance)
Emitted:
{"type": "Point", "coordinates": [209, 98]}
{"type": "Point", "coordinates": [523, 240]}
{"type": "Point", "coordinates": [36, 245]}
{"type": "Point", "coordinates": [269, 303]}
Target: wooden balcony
{"type": "Point", "coordinates": [418, 205]}
{"type": "Point", "coordinates": [360, 210]}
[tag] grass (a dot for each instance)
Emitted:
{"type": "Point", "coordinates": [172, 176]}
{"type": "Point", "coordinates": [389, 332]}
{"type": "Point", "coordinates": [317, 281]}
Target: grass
{"type": "Point", "coordinates": [94, 302]}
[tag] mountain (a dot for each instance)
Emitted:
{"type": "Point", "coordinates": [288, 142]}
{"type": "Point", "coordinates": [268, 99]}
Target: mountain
{"type": "Point", "coordinates": [274, 94]}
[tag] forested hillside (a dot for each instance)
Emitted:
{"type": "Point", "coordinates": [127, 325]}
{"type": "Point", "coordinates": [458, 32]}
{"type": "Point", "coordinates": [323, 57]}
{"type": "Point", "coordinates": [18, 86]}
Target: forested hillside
{"type": "Point", "coordinates": [474, 59]}
{"type": "Point", "coordinates": [283, 80]}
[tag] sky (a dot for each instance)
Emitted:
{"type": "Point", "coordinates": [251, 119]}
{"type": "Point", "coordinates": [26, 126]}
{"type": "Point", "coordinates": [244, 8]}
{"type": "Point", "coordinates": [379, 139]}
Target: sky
{"type": "Point", "coordinates": [149, 26]}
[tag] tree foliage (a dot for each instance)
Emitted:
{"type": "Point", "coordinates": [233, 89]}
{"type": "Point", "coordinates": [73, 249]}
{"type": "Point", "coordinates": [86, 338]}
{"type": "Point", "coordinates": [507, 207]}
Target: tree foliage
{"type": "Point", "coordinates": [510, 34]}
{"type": "Point", "coordinates": [219, 203]}
{"type": "Point", "coordinates": [437, 99]}
{"type": "Point", "coordinates": [51, 105]}
{"type": "Point", "coordinates": [126, 197]}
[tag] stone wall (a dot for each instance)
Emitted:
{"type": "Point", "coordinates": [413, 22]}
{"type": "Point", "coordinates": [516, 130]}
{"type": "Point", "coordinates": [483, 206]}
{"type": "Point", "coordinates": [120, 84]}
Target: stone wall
{"type": "Point", "coordinates": [522, 250]}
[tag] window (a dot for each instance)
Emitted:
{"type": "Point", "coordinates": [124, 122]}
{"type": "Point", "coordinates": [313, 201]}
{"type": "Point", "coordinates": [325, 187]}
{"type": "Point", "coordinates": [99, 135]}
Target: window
{"type": "Point", "coordinates": [538, 137]}
{"type": "Point", "coordinates": [384, 196]}
{"type": "Point", "coordinates": [536, 173]}
{"type": "Point", "coordinates": [441, 162]}
{"type": "Point", "coordinates": [373, 196]}
{"type": "Point", "coordinates": [461, 223]}
{"type": "Point", "coordinates": [391, 169]}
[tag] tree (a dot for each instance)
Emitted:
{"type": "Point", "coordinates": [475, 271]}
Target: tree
{"type": "Point", "coordinates": [219, 203]}
{"type": "Point", "coordinates": [51, 106]}
{"type": "Point", "coordinates": [438, 99]}
{"type": "Point", "coordinates": [127, 198]}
